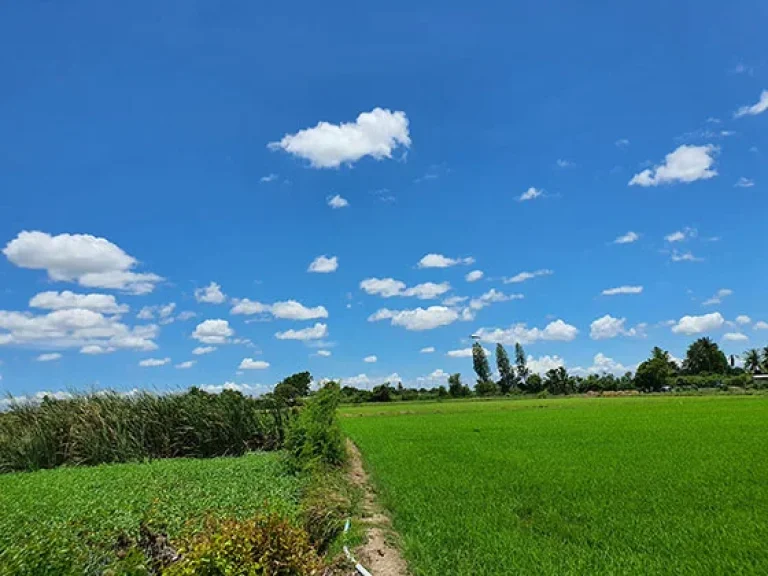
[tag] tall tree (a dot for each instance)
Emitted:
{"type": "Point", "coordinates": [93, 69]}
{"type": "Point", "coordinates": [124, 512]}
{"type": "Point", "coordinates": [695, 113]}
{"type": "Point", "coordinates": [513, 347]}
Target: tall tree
{"type": "Point", "coordinates": [705, 357]}
{"type": "Point", "coordinates": [764, 363]}
{"type": "Point", "coordinates": [522, 365]}
{"type": "Point", "coordinates": [455, 388]}
{"type": "Point", "coordinates": [556, 381]}
{"type": "Point", "coordinates": [752, 360]}
{"type": "Point", "coordinates": [506, 372]}
{"type": "Point", "coordinates": [485, 385]}
{"type": "Point", "coordinates": [652, 374]}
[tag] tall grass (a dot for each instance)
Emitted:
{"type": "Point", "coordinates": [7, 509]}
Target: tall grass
{"type": "Point", "coordinates": [109, 427]}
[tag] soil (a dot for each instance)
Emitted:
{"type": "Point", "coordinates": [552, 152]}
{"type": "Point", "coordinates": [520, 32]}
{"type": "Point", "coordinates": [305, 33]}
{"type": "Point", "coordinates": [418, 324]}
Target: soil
{"type": "Point", "coordinates": [377, 554]}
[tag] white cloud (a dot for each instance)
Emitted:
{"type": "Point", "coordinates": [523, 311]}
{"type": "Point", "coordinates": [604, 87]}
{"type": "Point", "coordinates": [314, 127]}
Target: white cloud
{"type": "Point", "coordinates": [418, 319]}
{"type": "Point", "coordinates": [685, 257]}
{"type": "Point", "coordinates": [389, 287]}
{"type": "Point", "coordinates": [88, 260]}
{"type": "Point", "coordinates": [474, 276]}
{"type": "Point", "coordinates": [152, 362]}
{"type": "Point", "coordinates": [337, 202]}
{"type": "Point", "coordinates": [251, 364]}
{"type": "Point", "coordinates": [543, 364]}
{"type": "Point", "coordinates": [490, 297]}
{"type": "Point", "coordinates": [557, 330]}
{"type": "Point", "coordinates": [718, 297]}
{"type": "Point", "coordinates": [744, 182]}
{"type": "Point", "coordinates": [186, 365]}
{"type": "Point", "coordinates": [324, 353]}
{"type": "Point", "coordinates": [698, 324]}
{"type": "Point", "coordinates": [376, 133]}
{"type": "Point", "coordinates": [743, 319]}
{"type": "Point", "coordinates": [760, 325]}
{"type": "Point", "coordinates": [685, 164]}
{"type": "Point", "coordinates": [622, 290]}
{"type": "Point", "coordinates": [681, 235]}
{"type": "Point", "coordinates": [427, 290]}
{"type": "Point", "coordinates": [562, 163]}
{"type": "Point", "coordinates": [73, 328]}
{"type": "Point", "coordinates": [323, 264]}
{"type": "Point", "coordinates": [464, 353]}
{"type": "Point", "coordinates": [268, 178]}
{"type": "Point", "coordinates": [104, 303]}
{"type": "Point", "coordinates": [435, 378]}
{"type": "Point", "coordinates": [94, 349]}
{"type": "Point", "coordinates": [49, 357]}
{"type": "Point", "coordinates": [213, 332]}
{"type": "Point", "coordinates": [427, 350]}
{"type": "Point", "coordinates": [249, 307]}
{"type": "Point", "coordinates": [735, 337]}
{"type": "Point", "coordinates": [530, 194]}
{"type": "Point", "coordinates": [292, 310]}
{"type": "Point", "coordinates": [186, 315]}
{"type": "Point", "coordinates": [370, 359]}
{"type": "Point", "coordinates": [368, 382]}
{"type": "Point", "coordinates": [523, 276]}
{"type": "Point", "coordinates": [758, 108]}
{"type": "Point", "coordinates": [440, 261]}
{"type": "Point", "coordinates": [609, 327]}
{"type": "Point", "coordinates": [200, 350]}
{"type": "Point", "coordinates": [211, 294]}
{"type": "Point", "coordinates": [315, 332]}
{"type": "Point", "coordinates": [454, 300]}
{"type": "Point", "coordinates": [621, 143]}
{"type": "Point", "coordinates": [248, 389]}
{"type": "Point", "coordinates": [627, 238]}
{"type": "Point", "coordinates": [602, 364]}
{"type": "Point", "coordinates": [146, 313]}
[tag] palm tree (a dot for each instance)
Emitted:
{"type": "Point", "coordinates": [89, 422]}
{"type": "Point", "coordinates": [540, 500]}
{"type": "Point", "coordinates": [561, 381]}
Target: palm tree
{"type": "Point", "coordinates": [752, 360]}
{"type": "Point", "coordinates": [764, 364]}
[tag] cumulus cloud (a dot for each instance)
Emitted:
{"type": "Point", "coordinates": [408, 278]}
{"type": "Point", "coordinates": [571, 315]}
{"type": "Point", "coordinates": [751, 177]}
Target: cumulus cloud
{"type": "Point", "coordinates": [610, 327]}
{"type": "Point", "coordinates": [686, 164]}
{"type": "Point", "coordinates": [211, 294]}
{"type": "Point", "coordinates": [315, 332]}
{"type": "Point", "coordinates": [490, 297]}
{"type": "Point", "coordinates": [530, 194]}
{"type": "Point", "coordinates": [153, 362]}
{"type": "Point", "coordinates": [337, 202]}
{"type": "Point", "coordinates": [743, 319]}
{"type": "Point", "coordinates": [690, 325]}
{"type": "Point", "coordinates": [370, 359]}
{"type": "Point", "coordinates": [427, 350]}
{"type": "Point", "coordinates": [287, 310]}
{"type": "Point", "coordinates": [464, 353]}
{"type": "Point", "coordinates": [440, 261]}
{"type": "Point", "coordinates": [627, 238]}
{"type": "Point", "coordinates": [417, 319]}
{"type": "Point", "coordinates": [427, 290]}
{"type": "Point", "coordinates": [685, 257]}
{"type": "Point", "coordinates": [376, 133]}
{"type": "Point", "coordinates": [622, 290]}
{"type": "Point", "coordinates": [557, 330]}
{"type": "Point", "coordinates": [104, 303]}
{"type": "Point", "coordinates": [602, 364]}
{"type": "Point", "coordinates": [474, 276]}
{"type": "Point", "coordinates": [49, 357]}
{"type": "Point", "coordinates": [186, 365]}
{"type": "Point", "coordinates": [90, 261]}
{"type": "Point", "coordinates": [368, 382]}
{"type": "Point", "coordinates": [323, 264]}
{"type": "Point", "coordinates": [523, 276]}
{"type": "Point", "coordinates": [735, 337]}
{"type": "Point", "coordinates": [200, 350]}
{"type": "Point", "coordinates": [213, 332]}
{"type": "Point", "coordinates": [95, 349]}
{"type": "Point", "coordinates": [389, 287]}
{"type": "Point", "coordinates": [251, 364]}
{"type": "Point", "coordinates": [323, 353]}
{"type": "Point", "coordinates": [544, 364]}
{"type": "Point", "coordinates": [681, 235]}
{"type": "Point", "coordinates": [718, 297]}
{"type": "Point", "coordinates": [760, 325]}
{"type": "Point", "coordinates": [268, 178]}
{"type": "Point", "coordinates": [755, 109]}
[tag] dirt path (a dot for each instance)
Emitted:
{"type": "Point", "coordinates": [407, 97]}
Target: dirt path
{"type": "Point", "coordinates": [377, 554]}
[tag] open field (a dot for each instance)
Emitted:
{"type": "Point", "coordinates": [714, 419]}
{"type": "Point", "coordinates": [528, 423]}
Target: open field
{"type": "Point", "coordinates": [52, 521]}
{"type": "Point", "coordinates": [655, 485]}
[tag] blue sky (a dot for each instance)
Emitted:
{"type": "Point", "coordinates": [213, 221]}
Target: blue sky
{"type": "Point", "coordinates": [148, 150]}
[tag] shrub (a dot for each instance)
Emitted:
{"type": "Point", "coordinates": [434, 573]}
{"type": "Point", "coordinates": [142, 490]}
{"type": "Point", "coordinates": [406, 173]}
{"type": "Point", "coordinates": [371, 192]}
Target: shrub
{"type": "Point", "coordinates": [314, 437]}
{"type": "Point", "coordinates": [265, 545]}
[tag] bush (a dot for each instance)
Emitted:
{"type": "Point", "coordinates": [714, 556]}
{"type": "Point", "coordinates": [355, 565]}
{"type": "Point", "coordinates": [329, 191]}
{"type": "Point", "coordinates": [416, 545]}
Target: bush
{"type": "Point", "coordinates": [314, 437]}
{"type": "Point", "coordinates": [265, 545]}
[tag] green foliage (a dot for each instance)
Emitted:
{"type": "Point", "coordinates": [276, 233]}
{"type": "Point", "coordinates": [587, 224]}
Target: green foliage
{"type": "Point", "coordinates": [752, 361]}
{"type": "Point", "coordinates": [569, 486]}
{"type": "Point", "coordinates": [327, 501]}
{"type": "Point", "coordinates": [293, 387]}
{"type": "Point", "coordinates": [314, 437]}
{"type": "Point", "coordinates": [522, 365]}
{"type": "Point", "coordinates": [486, 388]}
{"type": "Point", "coordinates": [653, 373]}
{"type": "Point", "coordinates": [534, 384]}
{"type": "Point", "coordinates": [480, 364]}
{"type": "Point", "coordinates": [71, 520]}
{"type": "Point", "coordinates": [455, 387]}
{"type": "Point", "coordinates": [556, 381]}
{"type": "Point", "coordinates": [264, 545]}
{"type": "Point", "coordinates": [506, 372]}
{"type": "Point", "coordinates": [109, 427]}
{"type": "Point", "coordinates": [381, 393]}
{"type": "Point", "coordinates": [705, 357]}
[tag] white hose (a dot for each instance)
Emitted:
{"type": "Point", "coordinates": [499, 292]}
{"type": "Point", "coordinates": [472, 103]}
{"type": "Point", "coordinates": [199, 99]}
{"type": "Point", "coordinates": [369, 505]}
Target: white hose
{"type": "Point", "coordinates": [359, 567]}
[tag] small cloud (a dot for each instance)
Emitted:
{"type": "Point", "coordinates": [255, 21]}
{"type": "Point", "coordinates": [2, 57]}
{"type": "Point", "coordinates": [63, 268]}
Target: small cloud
{"type": "Point", "coordinates": [713, 120]}
{"type": "Point", "coordinates": [627, 238]}
{"type": "Point", "coordinates": [440, 261]}
{"type": "Point", "coordinates": [427, 350]}
{"type": "Point", "coordinates": [735, 337]}
{"type": "Point", "coordinates": [186, 365]}
{"type": "Point", "coordinates": [474, 276]}
{"type": "Point", "coordinates": [337, 202]}
{"type": "Point", "coordinates": [622, 290]}
{"type": "Point", "coordinates": [211, 294]}
{"type": "Point", "coordinates": [757, 108]}
{"type": "Point", "coordinates": [681, 235]}
{"type": "Point", "coordinates": [530, 194]}
{"type": "Point", "coordinates": [744, 183]}
{"type": "Point", "coordinates": [760, 325]}
{"type": "Point", "coordinates": [685, 164]}
{"type": "Point", "coordinates": [48, 357]}
{"type": "Point", "coordinates": [718, 297]}
{"type": "Point", "coordinates": [743, 319]}
{"type": "Point", "coordinates": [200, 350]}
{"type": "Point", "coordinates": [323, 353]}
{"type": "Point", "coordinates": [324, 265]}
{"type": "Point", "coordinates": [562, 163]}
{"type": "Point", "coordinates": [742, 68]}
{"type": "Point", "coordinates": [523, 276]}
{"type": "Point", "coordinates": [370, 359]}
{"type": "Point", "coordinates": [621, 143]}
{"type": "Point", "coordinates": [685, 257]}
{"type": "Point", "coordinates": [268, 178]}
{"type": "Point", "coordinates": [251, 364]}
{"type": "Point", "coordinates": [152, 362]}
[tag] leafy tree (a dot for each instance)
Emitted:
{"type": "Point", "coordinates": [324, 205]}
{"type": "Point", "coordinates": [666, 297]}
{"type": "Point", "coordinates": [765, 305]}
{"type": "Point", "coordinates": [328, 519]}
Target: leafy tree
{"type": "Point", "coordinates": [705, 357]}
{"type": "Point", "coordinates": [752, 361]}
{"type": "Point", "coordinates": [480, 363]}
{"type": "Point", "coordinates": [294, 386]}
{"type": "Point", "coordinates": [522, 365]}
{"type": "Point", "coordinates": [381, 393]}
{"type": "Point", "coordinates": [486, 388]}
{"type": "Point", "coordinates": [556, 381]}
{"type": "Point", "coordinates": [764, 365]}
{"type": "Point", "coordinates": [652, 374]}
{"type": "Point", "coordinates": [533, 384]}
{"type": "Point", "coordinates": [455, 388]}
{"type": "Point", "coordinates": [506, 372]}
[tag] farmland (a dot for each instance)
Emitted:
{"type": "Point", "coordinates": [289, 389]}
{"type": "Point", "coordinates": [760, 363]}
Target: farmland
{"type": "Point", "coordinates": [68, 520]}
{"type": "Point", "coordinates": [653, 485]}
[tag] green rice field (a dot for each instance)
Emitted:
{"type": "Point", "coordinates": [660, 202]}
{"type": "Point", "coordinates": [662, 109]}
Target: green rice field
{"type": "Point", "coordinates": [660, 485]}
{"type": "Point", "coordinates": [69, 520]}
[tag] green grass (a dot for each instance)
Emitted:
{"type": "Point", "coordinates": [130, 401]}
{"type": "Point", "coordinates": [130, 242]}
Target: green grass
{"type": "Point", "coordinates": [662, 485]}
{"type": "Point", "coordinates": [60, 521]}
